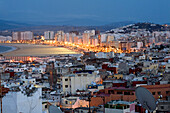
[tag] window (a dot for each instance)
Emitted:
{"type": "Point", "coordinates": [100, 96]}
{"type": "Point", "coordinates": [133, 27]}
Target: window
{"type": "Point", "coordinates": [66, 79]}
{"type": "Point", "coordinates": [111, 91]}
{"type": "Point", "coordinates": [162, 107]}
{"type": "Point", "coordinates": [79, 75]}
{"type": "Point", "coordinates": [126, 93]}
{"type": "Point", "coordinates": [66, 102]}
{"type": "Point", "coordinates": [153, 93]}
{"type": "Point", "coordinates": [66, 86]}
{"type": "Point", "coordinates": [119, 92]}
{"type": "Point", "coordinates": [159, 93]}
{"type": "Point", "coordinates": [167, 92]}
{"type": "Point", "coordinates": [45, 106]}
{"type": "Point", "coordinates": [85, 75]}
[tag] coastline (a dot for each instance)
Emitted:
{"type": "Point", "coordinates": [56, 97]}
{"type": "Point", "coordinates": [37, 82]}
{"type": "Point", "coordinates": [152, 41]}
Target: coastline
{"type": "Point", "coordinates": [35, 50]}
{"type": "Point", "coordinates": [13, 48]}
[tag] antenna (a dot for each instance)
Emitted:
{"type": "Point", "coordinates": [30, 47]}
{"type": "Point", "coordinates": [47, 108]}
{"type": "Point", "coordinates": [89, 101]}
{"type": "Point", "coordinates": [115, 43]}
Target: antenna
{"type": "Point", "coordinates": [145, 98]}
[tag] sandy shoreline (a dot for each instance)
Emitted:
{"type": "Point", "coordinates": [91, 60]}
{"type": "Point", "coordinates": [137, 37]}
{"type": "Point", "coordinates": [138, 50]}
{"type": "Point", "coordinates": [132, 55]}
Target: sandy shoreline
{"type": "Point", "coordinates": [35, 50]}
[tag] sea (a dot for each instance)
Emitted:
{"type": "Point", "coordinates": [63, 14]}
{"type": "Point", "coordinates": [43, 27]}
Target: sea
{"type": "Point", "coordinates": [4, 49]}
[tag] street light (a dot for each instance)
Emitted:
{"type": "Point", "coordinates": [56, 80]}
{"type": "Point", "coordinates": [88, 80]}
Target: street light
{"type": "Point", "coordinates": [89, 99]}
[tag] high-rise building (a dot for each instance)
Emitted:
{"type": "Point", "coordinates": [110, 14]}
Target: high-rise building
{"type": "Point", "coordinates": [86, 38]}
{"type": "Point", "coordinates": [26, 35]}
{"type": "Point", "coordinates": [94, 41]}
{"type": "Point", "coordinates": [16, 36]}
{"type": "Point", "coordinates": [49, 35]}
{"type": "Point", "coordinates": [71, 37]}
{"type": "Point", "coordinates": [59, 36]}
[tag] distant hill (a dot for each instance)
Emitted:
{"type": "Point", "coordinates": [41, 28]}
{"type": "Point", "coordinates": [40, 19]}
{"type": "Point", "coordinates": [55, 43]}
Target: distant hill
{"type": "Point", "coordinates": [145, 26]}
{"type": "Point", "coordinates": [148, 26]}
{"type": "Point", "coordinates": [39, 29]}
{"type": "Point", "coordinates": [6, 25]}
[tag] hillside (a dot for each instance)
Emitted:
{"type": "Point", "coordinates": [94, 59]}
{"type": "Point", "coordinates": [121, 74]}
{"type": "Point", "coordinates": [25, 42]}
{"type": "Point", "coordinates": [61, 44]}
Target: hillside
{"type": "Point", "coordinates": [7, 27]}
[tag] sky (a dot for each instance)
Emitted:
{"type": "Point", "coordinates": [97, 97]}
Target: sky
{"type": "Point", "coordinates": [108, 11]}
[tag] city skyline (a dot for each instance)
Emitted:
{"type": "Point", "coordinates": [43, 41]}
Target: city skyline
{"type": "Point", "coordinates": [77, 56]}
{"type": "Point", "coordinates": [96, 11]}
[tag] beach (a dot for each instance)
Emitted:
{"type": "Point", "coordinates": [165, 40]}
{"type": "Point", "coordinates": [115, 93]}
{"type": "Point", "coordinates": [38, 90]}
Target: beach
{"type": "Point", "coordinates": [35, 50]}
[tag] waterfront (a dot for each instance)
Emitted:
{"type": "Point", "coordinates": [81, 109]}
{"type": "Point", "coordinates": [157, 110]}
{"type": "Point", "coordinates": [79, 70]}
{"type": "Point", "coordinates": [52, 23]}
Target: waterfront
{"type": "Point", "coordinates": [4, 49]}
{"type": "Point", "coordinates": [36, 50]}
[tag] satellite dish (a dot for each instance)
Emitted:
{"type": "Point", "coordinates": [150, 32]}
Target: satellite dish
{"type": "Point", "coordinates": [54, 109]}
{"type": "Point", "coordinates": [145, 98]}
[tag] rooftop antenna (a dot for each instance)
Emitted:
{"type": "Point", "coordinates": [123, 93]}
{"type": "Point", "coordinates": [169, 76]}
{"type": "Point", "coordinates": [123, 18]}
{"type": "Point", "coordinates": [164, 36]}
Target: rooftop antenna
{"type": "Point", "coordinates": [145, 98]}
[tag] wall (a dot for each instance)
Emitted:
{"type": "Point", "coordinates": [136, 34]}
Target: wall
{"type": "Point", "coordinates": [16, 102]}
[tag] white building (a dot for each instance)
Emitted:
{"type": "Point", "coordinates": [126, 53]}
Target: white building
{"type": "Point", "coordinates": [60, 36]}
{"type": "Point", "coordinates": [78, 81]}
{"type": "Point", "coordinates": [90, 67]}
{"type": "Point", "coordinates": [73, 102]}
{"type": "Point", "coordinates": [5, 38]}
{"type": "Point", "coordinates": [139, 45]}
{"type": "Point", "coordinates": [95, 42]}
{"type": "Point", "coordinates": [71, 37]}
{"type": "Point", "coordinates": [16, 36]}
{"type": "Point", "coordinates": [105, 54]}
{"type": "Point", "coordinates": [66, 37]}
{"type": "Point", "coordinates": [26, 35]}
{"type": "Point", "coordinates": [86, 38]}
{"type": "Point", "coordinates": [103, 37]}
{"type": "Point", "coordinates": [17, 102]}
{"type": "Point", "coordinates": [91, 32]}
{"type": "Point", "coordinates": [49, 35]}
{"type": "Point", "coordinates": [16, 69]}
{"type": "Point", "coordinates": [120, 107]}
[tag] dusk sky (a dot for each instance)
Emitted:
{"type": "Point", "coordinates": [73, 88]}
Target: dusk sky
{"type": "Point", "coordinates": [156, 11]}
